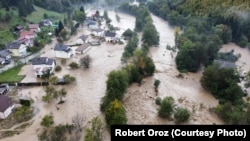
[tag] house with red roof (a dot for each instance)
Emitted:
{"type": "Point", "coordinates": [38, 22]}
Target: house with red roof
{"type": "Point", "coordinates": [34, 27]}
{"type": "Point", "coordinates": [27, 37]}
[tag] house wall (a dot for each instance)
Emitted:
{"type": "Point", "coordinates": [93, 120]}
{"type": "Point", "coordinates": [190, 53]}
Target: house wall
{"type": "Point", "coordinates": [82, 52]}
{"type": "Point", "coordinates": [7, 112]}
{"type": "Point", "coordinates": [109, 38]}
{"type": "Point", "coordinates": [19, 52]}
{"type": "Point", "coordinates": [79, 41]}
{"type": "Point", "coordinates": [98, 34]}
{"type": "Point", "coordinates": [43, 66]}
{"type": "Point", "coordinates": [63, 54]}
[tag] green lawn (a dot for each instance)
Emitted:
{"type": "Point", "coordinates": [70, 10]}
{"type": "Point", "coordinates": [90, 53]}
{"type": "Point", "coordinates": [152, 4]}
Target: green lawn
{"type": "Point", "coordinates": [11, 75]}
{"type": "Point", "coordinates": [38, 14]}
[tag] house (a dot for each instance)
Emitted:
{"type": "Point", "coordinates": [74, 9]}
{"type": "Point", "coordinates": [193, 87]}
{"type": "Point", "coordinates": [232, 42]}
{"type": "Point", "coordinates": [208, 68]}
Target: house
{"type": "Point", "coordinates": [98, 32]}
{"type": "Point", "coordinates": [27, 37]}
{"type": "Point", "coordinates": [225, 64]}
{"type": "Point", "coordinates": [89, 22]}
{"type": "Point", "coordinates": [2, 61]}
{"type": "Point", "coordinates": [82, 39]}
{"type": "Point", "coordinates": [63, 51]}
{"type": "Point", "coordinates": [83, 48]}
{"type": "Point", "coordinates": [6, 106]}
{"type": "Point", "coordinates": [6, 54]}
{"type": "Point", "coordinates": [94, 42]}
{"type": "Point", "coordinates": [42, 64]}
{"type": "Point", "coordinates": [45, 22]}
{"type": "Point", "coordinates": [18, 28]}
{"type": "Point", "coordinates": [110, 36]}
{"type": "Point", "coordinates": [4, 88]}
{"type": "Point", "coordinates": [17, 48]}
{"type": "Point", "coordinates": [34, 27]}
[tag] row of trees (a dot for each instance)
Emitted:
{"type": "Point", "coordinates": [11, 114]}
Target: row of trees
{"type": "Point", "coordinates": [223, 84]}
{"type": "Point", "coordinates": [139, 65]}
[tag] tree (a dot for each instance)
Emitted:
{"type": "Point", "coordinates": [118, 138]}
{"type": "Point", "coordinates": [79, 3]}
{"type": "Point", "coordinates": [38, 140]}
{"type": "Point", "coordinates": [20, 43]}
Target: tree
{"type": "Point", "coordinates": [49, 94]}
{"type": "Point", "coordinates": [78, 122]}
{"type": "Point", "coordinates": [115, 113]}
{"type": "Point", "coordinates": [80, 16]}
{"type": "Point", "coordinates": [61, 93]}
{"type": "Point", "coordinates": [68, 79]}
{"type": "Point", "coordinates": [156, 85]}
{"type": "Point", "coordinates": [166, 107]}
{"type": "Point", "coordinates": [74, 65]}
{"type": "Point", "coordinates": [23, 113]}
{"type": "Point", "coordinates": [53, 80]}
{"type": "Point", "coordinates": [95, 130]}
{"type": "Point", "coordinates": [150, 35]}
{"type": "Point", "coordinates": [117, 81]}
{"type": "Point", "coordinates": [47, 121]}
{"type": "Point", "coordinates": [85, 61]}
{"type": "Point", "coordinates": [46, 74]}
{"type": "Point", "coordinates": [181, 115]}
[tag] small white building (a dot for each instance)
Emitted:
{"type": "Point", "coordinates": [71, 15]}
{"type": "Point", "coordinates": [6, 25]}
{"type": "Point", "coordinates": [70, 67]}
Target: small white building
{"type": "Point", "coordinates": [110, 36]}
{"type": "Point", "coordinates": [63, 51]}
{"type": "Point", "coordinates": [42, 64]}
{"type": "Point", "coordinates": [82, 39]}
{"type": "Point", "coordinates": [98, 32]}
{"type": "Point", "coordinates": [6, 106]}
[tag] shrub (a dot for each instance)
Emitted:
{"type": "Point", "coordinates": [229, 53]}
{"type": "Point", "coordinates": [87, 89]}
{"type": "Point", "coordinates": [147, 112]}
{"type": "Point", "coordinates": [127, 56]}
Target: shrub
{"type": "Point", "coordinates": [74, 65]}
{"type": "Point", "coordinates": [158, 101]}
{"type": "Point", "coordinates": [58, 68]}
{"type": "Point", "coordinates": [63, 61]}
{"type": "Point", "coordinates": [181, 115]}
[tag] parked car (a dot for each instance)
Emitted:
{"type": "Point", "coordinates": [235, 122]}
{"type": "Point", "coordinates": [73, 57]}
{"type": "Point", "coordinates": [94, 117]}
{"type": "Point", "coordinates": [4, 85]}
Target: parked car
{"type": "Point", "coordinates": [6, 62]}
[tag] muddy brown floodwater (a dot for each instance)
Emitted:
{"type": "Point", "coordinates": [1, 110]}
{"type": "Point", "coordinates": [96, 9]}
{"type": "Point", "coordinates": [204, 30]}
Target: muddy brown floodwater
{"type": "Point", "coordinates": [85, 94]}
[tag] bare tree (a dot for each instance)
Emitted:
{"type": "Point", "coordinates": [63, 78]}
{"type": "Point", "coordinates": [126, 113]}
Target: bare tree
{"type": "Point", "coordinates": [78, 122]}
{"type": "Point", "coordinates": [85, 61]}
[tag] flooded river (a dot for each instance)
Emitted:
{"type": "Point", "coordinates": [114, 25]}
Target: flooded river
{"type": "Point", "coordinates": [85, 95]}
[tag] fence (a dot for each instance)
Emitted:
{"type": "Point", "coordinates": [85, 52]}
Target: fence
{"type": "Point", "coordinates": [26, 84]}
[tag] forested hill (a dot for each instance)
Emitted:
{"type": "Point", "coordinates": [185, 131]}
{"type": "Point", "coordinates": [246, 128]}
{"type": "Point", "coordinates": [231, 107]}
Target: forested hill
{"type": "Point", "coordinates": [235, 13]}
{"type": "Point", "coordinates": [25, 7]}
{"type": "Point", "coordinates": [207, 25]}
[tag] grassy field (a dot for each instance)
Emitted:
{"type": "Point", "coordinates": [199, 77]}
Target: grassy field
{"type": "Point", "coordinates": [38, 14]}
{"type": "Point", "coordinates": [12, 75]}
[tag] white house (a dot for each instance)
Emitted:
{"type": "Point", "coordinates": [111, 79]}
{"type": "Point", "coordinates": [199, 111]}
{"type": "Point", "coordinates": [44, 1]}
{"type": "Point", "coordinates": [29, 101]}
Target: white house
{"type": "Point", "coordinates": [110, 36]}
{"type": "Point", "coordinates": [83, 48]}
{"type": "Point", "coordinates": [42, 64]}
{"type": "Point", "coordinates": [82, 39]}
{"type": "Point", "coordinates": [6, 106]}
{"type": "Point", "coordinates": [98, 32]}
{"type": "Point", "coordinates": [63, 51]}
{"type": "Point", "coordinates": [17, 49]}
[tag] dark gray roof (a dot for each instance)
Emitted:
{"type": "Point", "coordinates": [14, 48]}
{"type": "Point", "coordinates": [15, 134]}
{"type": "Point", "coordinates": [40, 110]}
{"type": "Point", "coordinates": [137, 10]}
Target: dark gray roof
{"type": "Point", "coordinates": [4, 53]}
{"type": "Point", "coordinates": [42, 60]}
{"type": "Point", "coordinates": [13, 45]}
{"type": "Point", "coordinates": [109, 34]}
{"type": "Point", "coordinates": [60, 47]}
{"type": "Point", "coordinates": [225, 64]}
{"type": "Point", "coordinates": [5, 103]}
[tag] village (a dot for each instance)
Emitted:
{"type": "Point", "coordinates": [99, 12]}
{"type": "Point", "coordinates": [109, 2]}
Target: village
{"type": "Point", "coordinates": [93, 33]}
